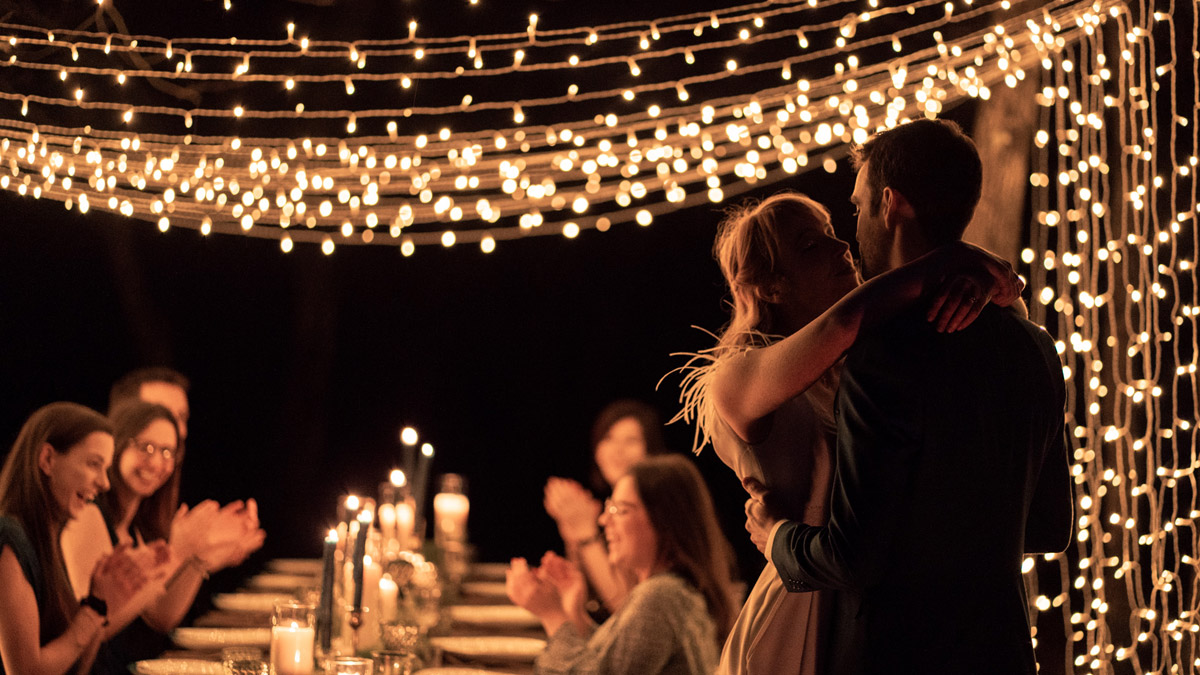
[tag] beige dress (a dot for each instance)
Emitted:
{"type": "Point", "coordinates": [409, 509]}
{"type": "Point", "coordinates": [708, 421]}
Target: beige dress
{"type": "Point", "coordinates": [777, 632]}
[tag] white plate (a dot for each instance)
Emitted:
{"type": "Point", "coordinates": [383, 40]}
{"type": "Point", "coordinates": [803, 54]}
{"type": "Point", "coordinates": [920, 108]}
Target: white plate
{"type": "Point", "coordinates": [311, 566]}
{"type": "Point", "coordinates": [214, 638]}
{"type": "Point", "coordinates": [282, 582]}
{"type": "Point", "coordinates": [493, 615]}
{"type": "Point", "coordinates": [249, 602]}
{"type": "Point", "coordinates": [488, 570]}
{"type": "Point", "coordinates": [491, 647]}
{"type": "Point", "coordinates": [177, 667]}
{"type": "Point", "coordinates": [485, 589]}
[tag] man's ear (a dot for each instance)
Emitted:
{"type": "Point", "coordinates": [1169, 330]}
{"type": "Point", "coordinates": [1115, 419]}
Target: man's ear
{"type": "Point", "coordinates": [46, 458]}
{"type": "Point", "coordinates": [896, 209]}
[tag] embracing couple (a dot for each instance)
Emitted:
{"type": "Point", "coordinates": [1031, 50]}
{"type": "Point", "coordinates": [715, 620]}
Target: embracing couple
{"type": "Point", "coordinates": [902, 439]}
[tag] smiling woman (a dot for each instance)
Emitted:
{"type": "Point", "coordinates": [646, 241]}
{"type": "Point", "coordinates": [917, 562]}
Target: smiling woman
{"type": "Point", "coordinates": [56, 467]}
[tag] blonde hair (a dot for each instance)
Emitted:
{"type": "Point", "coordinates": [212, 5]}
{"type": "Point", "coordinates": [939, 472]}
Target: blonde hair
{"type": "Point", "coordinates": [747, 248]}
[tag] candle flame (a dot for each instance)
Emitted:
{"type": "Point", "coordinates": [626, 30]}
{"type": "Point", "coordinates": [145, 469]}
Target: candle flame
{"type": "Point", "coordinates": [352, 502]}
{"type": "Point", "coordinates": [398, 478]}
{"type": "Point", "coordinates": [427, 449]}
{"type": "Point", "coordinates": [408, 436]}
{"type": "Point", "coordinates": [331, 537]}
{"type": "Point", "coordinates": [365, 517]}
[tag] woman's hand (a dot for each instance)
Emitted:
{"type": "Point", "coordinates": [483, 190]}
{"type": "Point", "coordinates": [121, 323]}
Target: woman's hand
{"type": "Point", "coordinates": [118, 578]}
{"type": "Point", "coordinates": [573, 508]}
{"type": "Point", "coordinates": [190, 528]}
{"type": "Point", "coordinates": [974, 277]}
{"type": "Point", "coordinates": [234, 534]}
{"type": "Point", "coordinates": [526, 588]}
{"type": "Point", "coordinates": [567, 579]}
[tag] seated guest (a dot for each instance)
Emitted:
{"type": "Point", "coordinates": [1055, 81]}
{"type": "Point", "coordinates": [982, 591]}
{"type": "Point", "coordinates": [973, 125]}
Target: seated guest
{"type": "Point", "coordinates": [169, 388]}
{"type": "Point", "coordinates": [661, 528]}
{"type": "Point", "coordinates": [624, 433]}
{"type": "Point", "coordinates": [57, 465]}
{"type": "Point", "coordinates": [143, 506]}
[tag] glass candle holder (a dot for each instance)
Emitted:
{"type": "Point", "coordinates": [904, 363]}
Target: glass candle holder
{"type": "Point", "coordinates": [450, 509]}
{"type": "Point", "coordinates": [391, 662]}
{"type": "Point", "coordinates": [293, 632]}
{"type": "Point", "coordinates": [348, 665]}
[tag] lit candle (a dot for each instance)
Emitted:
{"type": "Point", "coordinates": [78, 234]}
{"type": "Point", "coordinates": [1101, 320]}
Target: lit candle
{"type": "Point", "coordinates": [408, 438]}
{"type": "Point", "coordinates": [292, 649]}
{"type": "Point", "coordinates": [389, 597]}
{"type": "Point", "coordinates": [360, 551]}
{"type": "Point", "coordinates": [325, 612]}
{"type": "Point", "coordinates": [387, 521]}
{"type": "Point", "coordinates": [421, 481]}
{"type": "Point", "coordinates": [450, 515]}
{"type": "Point", "coordinates": [405, 519]}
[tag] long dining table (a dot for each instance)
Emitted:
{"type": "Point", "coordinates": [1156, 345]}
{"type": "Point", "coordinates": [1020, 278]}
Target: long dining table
{"type": "Point", "coordinates": [476, 628]}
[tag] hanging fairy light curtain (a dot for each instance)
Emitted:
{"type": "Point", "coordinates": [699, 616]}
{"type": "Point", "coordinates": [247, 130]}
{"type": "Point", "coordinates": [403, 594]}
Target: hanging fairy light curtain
{"type": "Point", "coordinates": [1112, 264]}
{"type": "Point", "coordinates": [425, 141]}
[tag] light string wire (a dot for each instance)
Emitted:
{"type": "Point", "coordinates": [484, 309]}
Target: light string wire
{"type": "Point", "coordinates": [343, 209]}
{"type": "Point", "coordinates": [1112, 263]}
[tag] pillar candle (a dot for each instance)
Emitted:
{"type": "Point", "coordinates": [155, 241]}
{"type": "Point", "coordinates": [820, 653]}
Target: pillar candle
{"type": "Point", "coordinates": [389, 598]}
{"type": "Point", "coordinates": [450, 515]}
{"type": "Point", "coordinates": [405, 519]}
{"type": "Point", "coordinates": [292, 649]}
{"type": "Point", "coordinates": [387, 521]}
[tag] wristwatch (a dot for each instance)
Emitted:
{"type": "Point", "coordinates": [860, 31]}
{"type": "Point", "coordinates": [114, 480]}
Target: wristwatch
{"type": "Point", "coordinates": [100, 606]}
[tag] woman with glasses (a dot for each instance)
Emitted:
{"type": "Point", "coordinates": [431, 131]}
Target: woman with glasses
{"type": "Point", "coordinates": [142, 510]}
{"type": "Point", "coordinates": [660, 528]}
{"type": "Point", "coordinates": [625, 432]}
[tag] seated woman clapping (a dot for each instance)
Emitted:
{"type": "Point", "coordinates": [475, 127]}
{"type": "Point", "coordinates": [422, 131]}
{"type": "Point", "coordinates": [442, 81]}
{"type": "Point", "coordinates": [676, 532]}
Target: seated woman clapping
{"type": "Point", "coordinates": [142, 510]}
{"type": "Point", "coordinates": [57, 465]}
{"type": "Point", "coordinates": [660, 527]}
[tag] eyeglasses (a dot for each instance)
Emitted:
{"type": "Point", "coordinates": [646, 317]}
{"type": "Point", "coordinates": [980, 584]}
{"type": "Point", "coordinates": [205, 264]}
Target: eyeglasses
{"type": "Point", "coordinates": [618, 508]}
{"type": "Point", "coordinates": [149, 450]}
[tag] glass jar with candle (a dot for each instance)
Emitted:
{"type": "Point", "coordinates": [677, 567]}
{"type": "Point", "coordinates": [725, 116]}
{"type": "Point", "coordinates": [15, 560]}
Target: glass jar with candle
{"type": "Point", "coordinates": [450, 509]}
{"type": "Point", "coordinates": [293, 632]}
{"type": "Point", "coordinates": [348, 665]}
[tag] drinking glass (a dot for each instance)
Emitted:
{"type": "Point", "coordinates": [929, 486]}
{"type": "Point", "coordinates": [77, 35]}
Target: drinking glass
{"type": "Point", "coordinates": [393, 662]}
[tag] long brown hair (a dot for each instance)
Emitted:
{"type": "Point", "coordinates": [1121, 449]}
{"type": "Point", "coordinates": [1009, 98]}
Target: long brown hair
{"type": "Point", "coordinates": [25, 496]}
{"type": "Point", "coordinates": [154, 514]}
{"type": "Point", "coordinates": [690, 542]}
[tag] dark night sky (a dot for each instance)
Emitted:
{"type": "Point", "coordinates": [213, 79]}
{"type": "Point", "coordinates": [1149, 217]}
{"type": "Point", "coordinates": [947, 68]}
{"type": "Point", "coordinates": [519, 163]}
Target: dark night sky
{"type": "Point", "coordinates": [304, 366]}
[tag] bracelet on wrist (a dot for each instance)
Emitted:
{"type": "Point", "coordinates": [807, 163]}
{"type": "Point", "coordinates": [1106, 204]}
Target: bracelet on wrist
{"type": "Point", "coordinates": [96, 604]}
{"type": "Point", "coordinates": [596, 538]}
{"type": "Point", "coordinates": [197, 563]}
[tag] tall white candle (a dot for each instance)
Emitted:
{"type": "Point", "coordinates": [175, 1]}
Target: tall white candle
{"type": "Point", "coordinates": [292, 649]}
{"type": "Point", "coordinates": [389, 597]}
{"type": "Point", "coordinates": [404, 523]}
{"type": "Point", "coordinates": [387, 521]}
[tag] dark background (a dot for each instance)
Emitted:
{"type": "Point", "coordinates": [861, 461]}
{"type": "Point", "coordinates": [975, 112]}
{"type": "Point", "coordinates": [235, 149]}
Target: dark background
{"type": "Point", "coordinates": [304, 367]}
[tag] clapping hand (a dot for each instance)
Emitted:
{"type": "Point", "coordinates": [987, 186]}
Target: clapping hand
{"type": "Point", "coordinates": [526, 588]}
{"type": "Point", "coordinates": [573, 508]}
{"type": "Point", "coordinates": [569, 581]}
{"type": "Point", "coordinates": [130, 576]}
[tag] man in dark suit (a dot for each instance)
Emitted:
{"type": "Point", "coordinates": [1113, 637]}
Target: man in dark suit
{"type": "Point", "coordinates": [951, 457]}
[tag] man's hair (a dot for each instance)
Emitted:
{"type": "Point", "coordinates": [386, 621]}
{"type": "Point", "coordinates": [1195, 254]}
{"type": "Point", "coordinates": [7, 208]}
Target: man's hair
{"type": "Point", "coordinates": [129, 387]}
{"type": "Point", "coordinates": [934, 165]}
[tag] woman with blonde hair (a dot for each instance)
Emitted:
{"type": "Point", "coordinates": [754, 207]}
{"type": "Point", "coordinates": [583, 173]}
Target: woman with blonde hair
{"type": "Point", "coordinates": [763, 396]}
{"type": "Point", "coordinates": [56, 466]}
